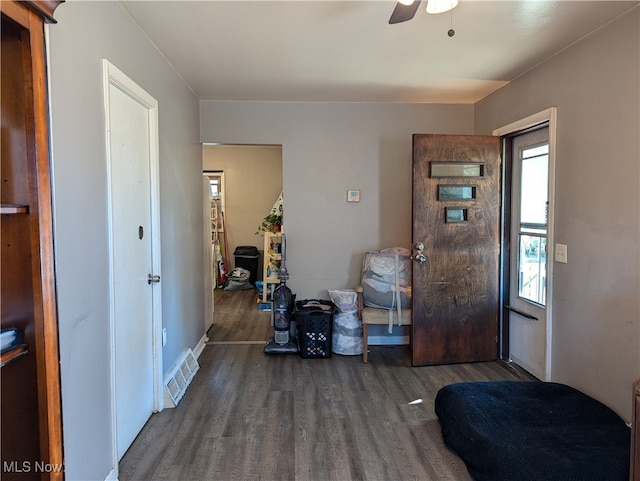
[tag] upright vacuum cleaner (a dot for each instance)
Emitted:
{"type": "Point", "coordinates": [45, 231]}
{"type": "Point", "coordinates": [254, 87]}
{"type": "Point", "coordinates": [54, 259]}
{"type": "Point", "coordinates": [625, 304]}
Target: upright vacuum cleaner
{"type": "Point", "coordinates": [282, 341]}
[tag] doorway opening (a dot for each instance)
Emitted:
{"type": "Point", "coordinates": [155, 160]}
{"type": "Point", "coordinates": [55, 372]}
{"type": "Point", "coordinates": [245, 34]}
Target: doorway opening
{"type": "Point", "coordinates": [247, 179]}
{"type": "Point", "coordinates": [214, 225]}
{"type": "Point", "coordinates": [527, 240]}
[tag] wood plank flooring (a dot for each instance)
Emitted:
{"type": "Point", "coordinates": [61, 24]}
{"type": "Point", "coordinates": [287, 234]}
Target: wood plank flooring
{"type": "Point", "coordinates": [249, 416]}
{"type": "Point", "coordinates": [237, 318]}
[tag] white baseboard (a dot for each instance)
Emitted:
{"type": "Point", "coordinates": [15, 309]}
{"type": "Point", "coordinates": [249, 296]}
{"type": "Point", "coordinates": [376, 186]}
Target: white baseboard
{"type": "Point", "coordinates": [112, 476]}
{"type": "Point", "coordinates": [200, 346]}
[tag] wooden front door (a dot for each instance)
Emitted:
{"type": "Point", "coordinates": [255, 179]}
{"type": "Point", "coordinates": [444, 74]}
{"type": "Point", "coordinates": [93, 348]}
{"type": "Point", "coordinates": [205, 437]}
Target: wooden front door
{"type": "Point", "coordinates": [456, 218]}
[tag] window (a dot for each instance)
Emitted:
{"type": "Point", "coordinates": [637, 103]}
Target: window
{"type": "Point", "coordinates": [215, 185]}
{"type": "Point", "coordinates": [532, 236]}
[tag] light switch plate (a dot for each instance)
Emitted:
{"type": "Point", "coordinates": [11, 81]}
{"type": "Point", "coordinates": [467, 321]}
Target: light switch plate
{"type": "Point", "coordinates": [561, 253]}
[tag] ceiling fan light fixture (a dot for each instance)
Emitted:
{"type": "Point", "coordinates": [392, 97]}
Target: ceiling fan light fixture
{"type": "Point", "coordinates": [406, 2]}
{"type": "Point", "coordinates": [441, 6]}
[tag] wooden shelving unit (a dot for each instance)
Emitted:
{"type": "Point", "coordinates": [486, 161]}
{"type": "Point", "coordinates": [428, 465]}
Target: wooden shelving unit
{"type": "Point", "coordinates": [30, 405]}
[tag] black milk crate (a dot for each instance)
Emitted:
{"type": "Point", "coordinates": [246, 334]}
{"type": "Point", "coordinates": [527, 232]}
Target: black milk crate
{"type": "Point", "coordinates": [314, 322]}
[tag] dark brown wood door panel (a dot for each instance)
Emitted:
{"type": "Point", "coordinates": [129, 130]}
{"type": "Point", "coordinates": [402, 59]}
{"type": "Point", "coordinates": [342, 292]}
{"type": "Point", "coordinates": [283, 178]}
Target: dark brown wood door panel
{"type": "Point", "coordinates": [456, 290]}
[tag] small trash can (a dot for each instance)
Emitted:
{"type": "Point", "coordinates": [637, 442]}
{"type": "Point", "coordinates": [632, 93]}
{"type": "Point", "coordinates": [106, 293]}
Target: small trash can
{"type": "Point", "coordinates": [314, 322]}
{"type": "Point", "coordinates": [247, 258]}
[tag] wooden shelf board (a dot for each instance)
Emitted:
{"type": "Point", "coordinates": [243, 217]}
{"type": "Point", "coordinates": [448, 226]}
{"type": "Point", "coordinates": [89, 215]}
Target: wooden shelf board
{"type": "Point", "coordinates": [13, 354]}
{"type": "Point", "coordinates": [14, 209]}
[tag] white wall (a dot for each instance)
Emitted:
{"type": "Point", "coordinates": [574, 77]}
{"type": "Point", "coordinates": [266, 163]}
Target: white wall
{"type": "Point", "coordinates": [86, 33]}
{"type": "Point", "coordinates": [328, 148]}
{"type": "Point", "coordinates": [595, 85]}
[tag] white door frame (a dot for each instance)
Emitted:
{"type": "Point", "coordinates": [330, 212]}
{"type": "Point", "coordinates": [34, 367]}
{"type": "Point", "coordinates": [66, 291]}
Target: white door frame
{"type": "Point", "coordinates": [549, 115]}
{"type": "Point", "coordinates": [113, 76]}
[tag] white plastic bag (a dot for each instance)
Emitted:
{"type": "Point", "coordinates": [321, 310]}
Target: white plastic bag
{"type": "Point", "coordinates": [238, 280]}
{"type": "Point", "coordinates": [347, 328]}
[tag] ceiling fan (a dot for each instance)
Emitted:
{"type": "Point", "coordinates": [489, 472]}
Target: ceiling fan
{"type": "Point", "coordinates": [406, 9]}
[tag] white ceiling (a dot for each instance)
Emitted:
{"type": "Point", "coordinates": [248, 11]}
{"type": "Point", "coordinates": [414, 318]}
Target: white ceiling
{"type": "Point", "coordinates": [345, 51]}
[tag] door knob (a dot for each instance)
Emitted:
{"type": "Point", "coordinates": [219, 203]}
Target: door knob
{"type": "Point", "coordinates": [419, 256]}
{"type": "Point", "coordinates": [151, 279]}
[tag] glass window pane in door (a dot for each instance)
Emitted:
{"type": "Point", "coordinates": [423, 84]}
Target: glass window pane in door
{"type": "Point", "coordinates": [534, 195]}
{"type": "Point", "coordinates": [532, 268]}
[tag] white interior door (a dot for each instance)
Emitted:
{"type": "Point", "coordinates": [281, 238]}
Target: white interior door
{"type": "Point", "coordinates": [132, 151]}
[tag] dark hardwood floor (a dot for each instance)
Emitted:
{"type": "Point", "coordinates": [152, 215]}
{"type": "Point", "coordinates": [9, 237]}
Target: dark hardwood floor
{"type": "Point", "coordinates": [249, 416]}
{"type": "Point", "coordinates": [236, 318]}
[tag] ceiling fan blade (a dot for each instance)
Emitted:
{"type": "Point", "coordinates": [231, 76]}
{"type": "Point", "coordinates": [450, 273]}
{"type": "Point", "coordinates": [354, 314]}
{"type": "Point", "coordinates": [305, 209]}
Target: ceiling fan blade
{"type": "Point", "coordinates": [402, 13]}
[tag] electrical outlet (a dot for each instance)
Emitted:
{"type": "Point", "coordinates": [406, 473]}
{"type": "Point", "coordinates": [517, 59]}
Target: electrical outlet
{"type": "Point", "coordinates": [164, 336]}
{"type": "Point", "coordinates": [561, 253]}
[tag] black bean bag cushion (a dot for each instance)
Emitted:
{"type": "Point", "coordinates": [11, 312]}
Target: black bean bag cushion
{"type": "Point", "coordinates": [533, 431]}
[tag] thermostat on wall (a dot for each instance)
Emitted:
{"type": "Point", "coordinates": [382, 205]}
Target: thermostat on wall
{"type": "Point", "coordinates": [353, 196]}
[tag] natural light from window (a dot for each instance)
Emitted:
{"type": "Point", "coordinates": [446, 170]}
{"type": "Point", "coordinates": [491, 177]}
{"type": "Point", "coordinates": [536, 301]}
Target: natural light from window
{"type": "Point", "coordinates": [532, 238]}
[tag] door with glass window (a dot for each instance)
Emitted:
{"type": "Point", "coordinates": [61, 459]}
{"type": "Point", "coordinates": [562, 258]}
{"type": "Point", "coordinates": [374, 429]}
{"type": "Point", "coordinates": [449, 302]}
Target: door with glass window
{"type": "Point", "coordinates": [456, 239]}
{"type": "Point", "coordinates": [528, 279]}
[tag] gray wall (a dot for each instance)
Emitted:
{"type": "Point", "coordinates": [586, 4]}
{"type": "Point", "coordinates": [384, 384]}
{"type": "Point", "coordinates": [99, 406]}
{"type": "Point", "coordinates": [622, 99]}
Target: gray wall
{"type": "Point", "coordinates": [595, 85]}
{"type": "Point", "coordinates": [85, 33]}
{"type": "Point", "coordinates": [328, 148]}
